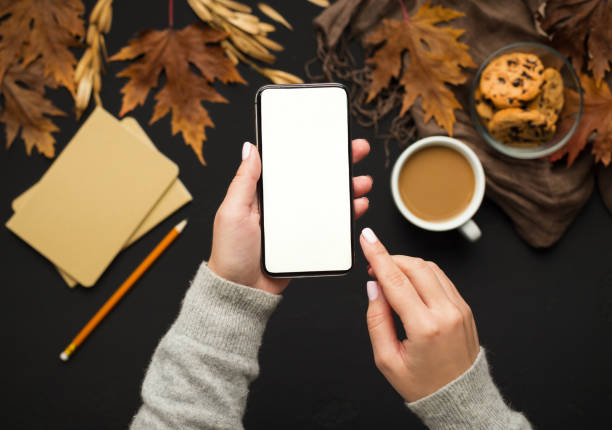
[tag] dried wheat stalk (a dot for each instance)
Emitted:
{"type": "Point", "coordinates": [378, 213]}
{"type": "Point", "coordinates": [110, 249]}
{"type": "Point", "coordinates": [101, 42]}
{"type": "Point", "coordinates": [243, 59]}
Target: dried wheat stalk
{"type": "Point", "coordinates": [321, 3]}
{"type": "Point", "coordinates": [273, 14]}
{"type": "Point", "coordinates": [87, 74]}
{"type": "Point", "coordinates": [247, 35]}
{"type": "Point", "coordinates": [275, 75]}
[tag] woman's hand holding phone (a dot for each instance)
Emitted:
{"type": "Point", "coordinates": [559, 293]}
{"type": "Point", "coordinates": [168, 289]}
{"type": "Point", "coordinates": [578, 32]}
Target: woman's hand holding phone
{"type": "Point", "coordinates": [442, 342]}
{"type": "Point", "coordinates": [236, 247]}
{"type": "Point", "coordinates": [441, 339]}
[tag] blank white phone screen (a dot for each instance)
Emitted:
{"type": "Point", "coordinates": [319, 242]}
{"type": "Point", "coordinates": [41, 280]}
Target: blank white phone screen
{"type": "Point", "coordinates": [306, 189]}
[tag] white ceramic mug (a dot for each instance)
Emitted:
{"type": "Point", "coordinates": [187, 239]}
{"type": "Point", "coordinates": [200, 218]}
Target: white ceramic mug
{"type": "Point", "coordinates": [463, 221]}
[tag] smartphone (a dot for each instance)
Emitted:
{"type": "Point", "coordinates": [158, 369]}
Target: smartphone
{"type": "Point", "coordinates": [305, 189]}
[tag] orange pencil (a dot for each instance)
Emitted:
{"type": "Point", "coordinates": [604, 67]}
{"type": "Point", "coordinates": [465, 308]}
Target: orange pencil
{"type": "Point", "coordinates": [124, 288]}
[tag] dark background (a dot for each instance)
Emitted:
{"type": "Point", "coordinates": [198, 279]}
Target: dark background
{"type": "Point", "coordinates": [544, 315]}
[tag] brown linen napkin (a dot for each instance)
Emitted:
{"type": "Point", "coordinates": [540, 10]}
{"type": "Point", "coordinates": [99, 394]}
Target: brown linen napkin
{"type": "Point", "coordinates": [542, 199]}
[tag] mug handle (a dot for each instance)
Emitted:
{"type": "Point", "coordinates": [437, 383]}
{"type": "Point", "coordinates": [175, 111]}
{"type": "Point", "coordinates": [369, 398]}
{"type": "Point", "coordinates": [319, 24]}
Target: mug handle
{"type": "Point", "coordinates": [470, 231]}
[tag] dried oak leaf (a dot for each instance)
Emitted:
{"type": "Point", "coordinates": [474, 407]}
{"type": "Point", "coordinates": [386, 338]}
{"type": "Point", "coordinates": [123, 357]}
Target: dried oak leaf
{"type": "Point", "coordinates": [596, 117]}
{"type": "Point", "coordinates": [436, 58]}
{"type": "Point", "coordinates": [173, 52]}
{"type": "Point", "coordinates": [43, 30]}
{"type": "Point", "coordinates": [25, 108]}
{"type": "Point", "coordinates": [582, 29]}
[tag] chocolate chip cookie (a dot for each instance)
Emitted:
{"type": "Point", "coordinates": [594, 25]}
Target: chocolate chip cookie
{"type": "Point", "coordinates": [519, 126]}
{"type": "Point", "coordinates": [484, 107]}
{"type": "Point", "coordinates": [511, 80]}
{"type": "Point", "coordinates": [550, 100]}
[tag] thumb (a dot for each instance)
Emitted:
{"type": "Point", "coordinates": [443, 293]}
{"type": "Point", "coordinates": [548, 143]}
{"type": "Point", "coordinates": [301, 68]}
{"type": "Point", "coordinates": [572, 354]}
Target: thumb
{"type": "Point", "coordinates": [243, 189]}
{"type": "Point", "coordinates": [381, 327]}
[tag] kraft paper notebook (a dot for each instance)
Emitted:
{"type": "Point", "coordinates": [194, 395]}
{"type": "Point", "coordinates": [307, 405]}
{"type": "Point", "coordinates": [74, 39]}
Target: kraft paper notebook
{"type": "Point", "coordinates": [93, 198]}
{"type": "Point", "coordinates": [173, 199]}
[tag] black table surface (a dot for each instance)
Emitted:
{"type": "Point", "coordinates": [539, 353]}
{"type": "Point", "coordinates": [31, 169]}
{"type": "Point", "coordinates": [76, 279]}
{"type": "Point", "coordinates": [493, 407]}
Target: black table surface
{"type": "Point", "coordinates": [545, 316]}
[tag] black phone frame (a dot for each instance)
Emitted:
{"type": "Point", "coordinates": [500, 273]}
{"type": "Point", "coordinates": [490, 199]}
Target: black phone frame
{"type": "Point", "coordinates": [260, 182]}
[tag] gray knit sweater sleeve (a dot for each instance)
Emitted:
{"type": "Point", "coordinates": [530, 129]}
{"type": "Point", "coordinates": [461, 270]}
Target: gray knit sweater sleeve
{"type": "Point", "coordinates": [200, 373]}
{"type": "Point", "coordinates": [472, 401]}
{"type": "Point", "coordinates": [201, 370]}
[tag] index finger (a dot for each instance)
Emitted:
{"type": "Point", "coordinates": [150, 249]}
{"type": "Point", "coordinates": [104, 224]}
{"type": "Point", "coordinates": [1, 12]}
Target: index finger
{"type": "Point", "coordinates": [361, 148]}
{"type": "Point", "coordinates": [398, 289]}
{"type": "Point", "coordinates": [425, 281]}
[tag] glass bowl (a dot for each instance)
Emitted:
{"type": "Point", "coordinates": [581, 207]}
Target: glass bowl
{"type": "Point", "coordinates": [549, 58]}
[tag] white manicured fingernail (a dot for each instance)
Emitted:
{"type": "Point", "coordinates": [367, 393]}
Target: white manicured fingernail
{"type": "Point", "coordinates": [373, 290]}
{"type": "Point", "coordinates": [369, 235]}
{"type": "Point", "coordinates": [246, 150]}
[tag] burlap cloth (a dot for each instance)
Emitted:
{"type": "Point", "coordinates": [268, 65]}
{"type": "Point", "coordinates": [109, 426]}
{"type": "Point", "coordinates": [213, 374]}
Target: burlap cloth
{"type": "Point", "coordinates": [542, 199]}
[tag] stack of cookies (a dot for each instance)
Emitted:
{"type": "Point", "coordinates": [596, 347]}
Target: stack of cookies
{"type": "Point", "coordinates": [519, 100]}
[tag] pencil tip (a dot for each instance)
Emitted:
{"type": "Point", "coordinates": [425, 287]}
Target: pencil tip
{"type": "Point", "coordinates": [181, 225]}
{"type": "Point", "coordinates": [64, 356]}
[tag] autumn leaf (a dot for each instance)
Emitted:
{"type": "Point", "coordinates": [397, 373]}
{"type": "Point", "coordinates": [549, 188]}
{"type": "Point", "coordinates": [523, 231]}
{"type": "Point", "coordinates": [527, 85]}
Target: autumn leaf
{"type": "Point", "coordinates": [173, 52]}
{"type": "Point", "coordinates": [596, 117]}
{"type": "Point", "coordinates": [436, 58]}
{"type": "Point", "coordinates": [42, 30]}
{"type": "Point", "coordinates": [26, 108]}
{"type": "Point", "coordinates": [582, 29]}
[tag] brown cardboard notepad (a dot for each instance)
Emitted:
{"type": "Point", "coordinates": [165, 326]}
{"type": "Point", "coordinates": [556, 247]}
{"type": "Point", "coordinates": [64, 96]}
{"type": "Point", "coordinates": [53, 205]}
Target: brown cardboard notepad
{"type": "Point", "coordinates": [174, 198]}
{"type": "Point", "coordinates": [93, 198]}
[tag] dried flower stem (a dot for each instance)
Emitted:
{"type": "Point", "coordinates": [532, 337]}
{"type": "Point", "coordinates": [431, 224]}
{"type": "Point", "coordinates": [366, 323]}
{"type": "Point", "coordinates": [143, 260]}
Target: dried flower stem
{"type": "Point", "coordinates": [87, 74]}
{"type": "Point", "coordinates": [404, 11]}
{"type": "Point", "coordinates": [170, 13]}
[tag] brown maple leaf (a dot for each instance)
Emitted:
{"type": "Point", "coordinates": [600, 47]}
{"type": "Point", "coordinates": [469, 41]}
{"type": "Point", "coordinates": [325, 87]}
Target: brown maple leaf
{"type": "Point", "coordinates": [436, 58]}
{"type": "Point", "coordinates": [26, 108]}
{"type": "Point", "coordinates": [173, 51]}
{"type": "Point", "coordinates": [582, 29]}
{"type": "Point", "coordinates": [42, 30]}
{"type": "Point", "coordinates": [596, 117]}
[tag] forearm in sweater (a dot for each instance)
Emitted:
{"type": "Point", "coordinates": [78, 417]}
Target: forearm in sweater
{"type": "Point", "coordinates": [470, 402]}
{"type": "Point", "coordinates": [201, 370]}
